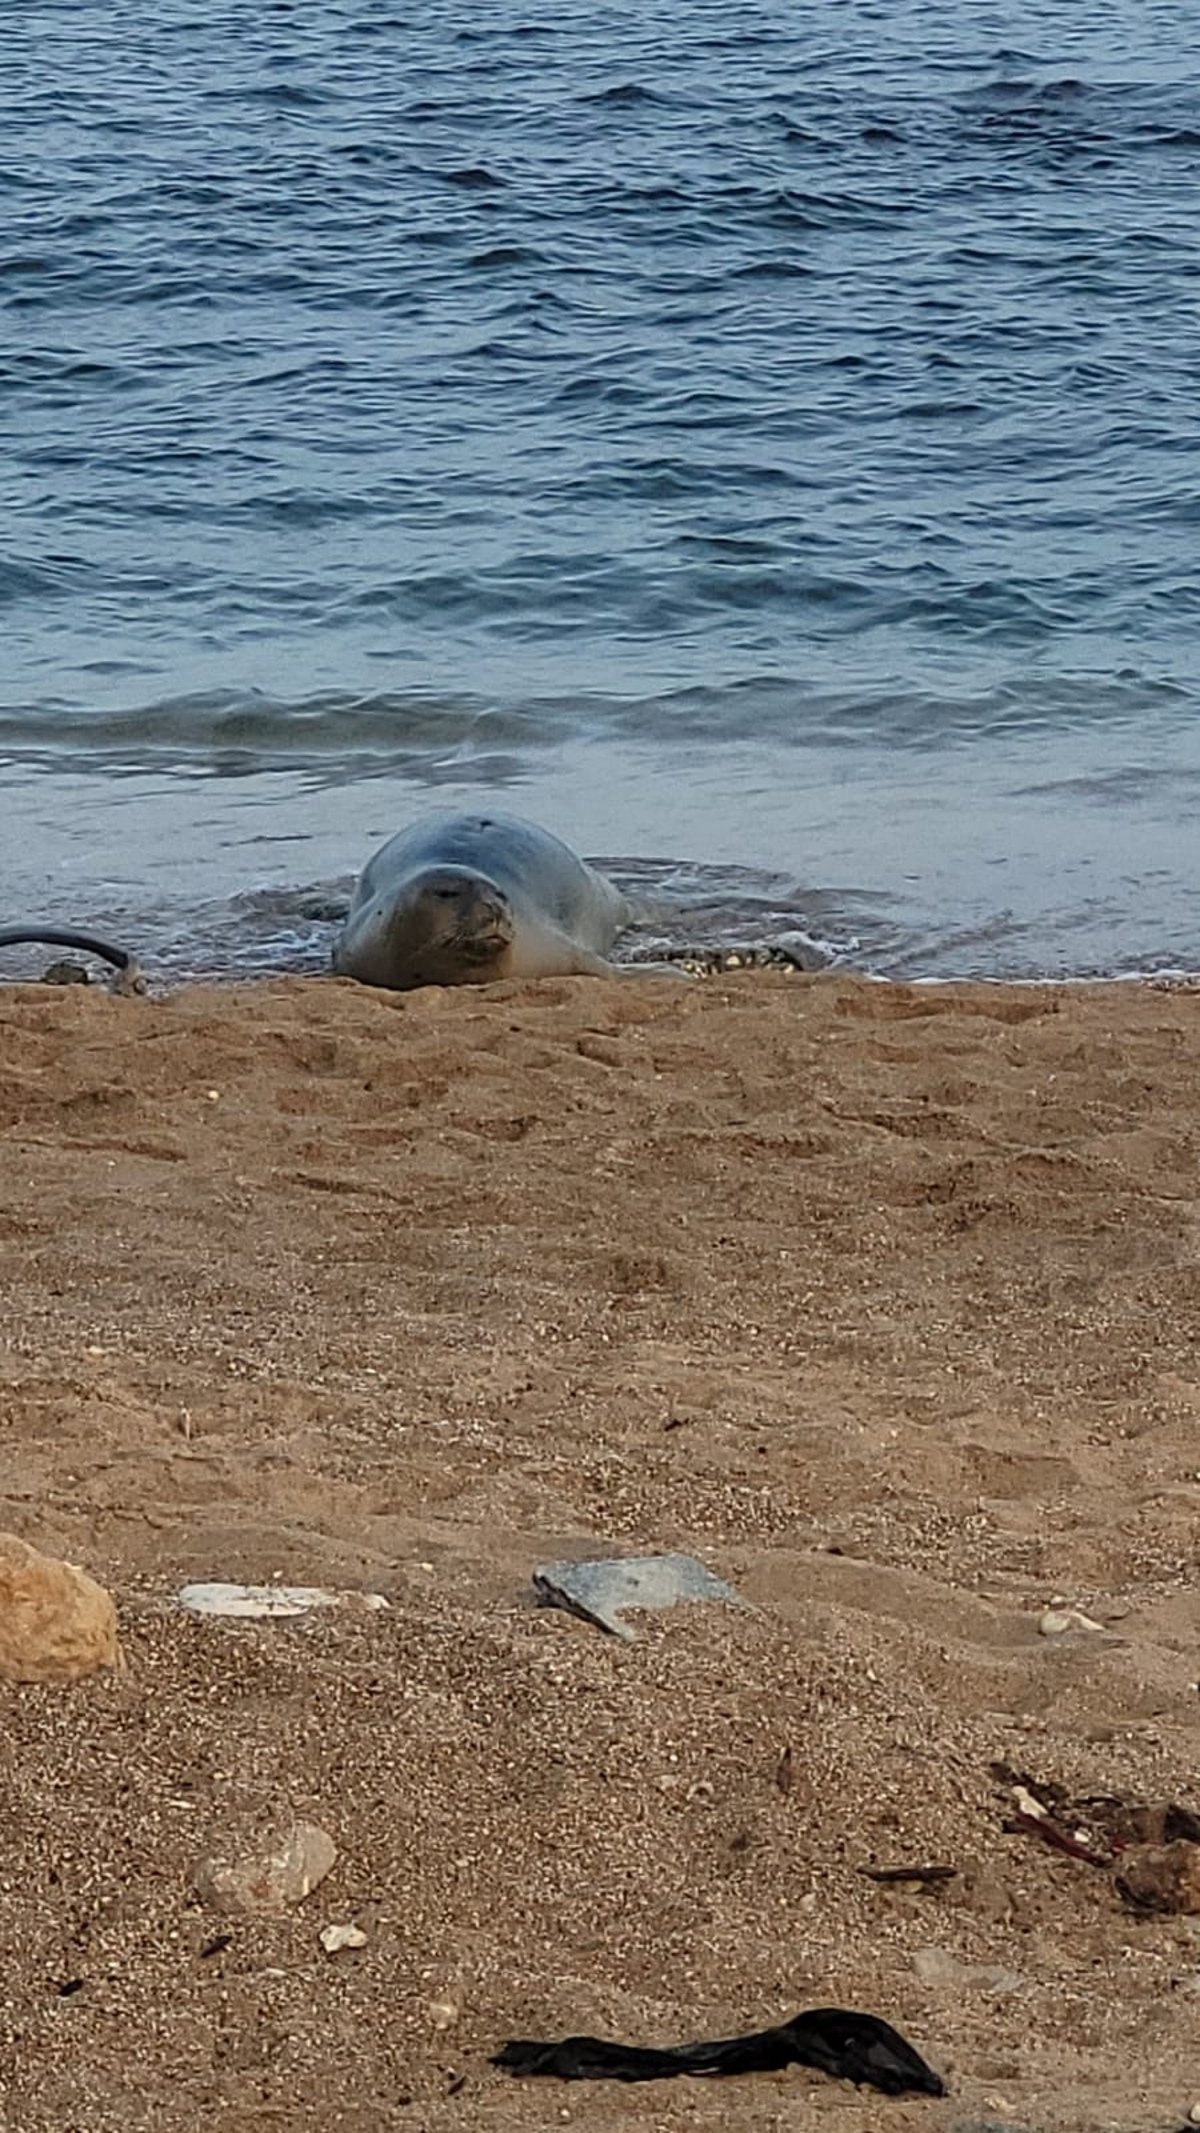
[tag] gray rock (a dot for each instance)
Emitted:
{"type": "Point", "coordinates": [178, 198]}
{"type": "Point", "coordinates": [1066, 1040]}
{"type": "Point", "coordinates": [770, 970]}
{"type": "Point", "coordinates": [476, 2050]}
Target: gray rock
{"type": "Point", "coordinates": [601, 1592]}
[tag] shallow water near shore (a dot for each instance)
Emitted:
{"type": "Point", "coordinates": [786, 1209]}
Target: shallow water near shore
{"type": "Point", "coordinates": [909, 868]}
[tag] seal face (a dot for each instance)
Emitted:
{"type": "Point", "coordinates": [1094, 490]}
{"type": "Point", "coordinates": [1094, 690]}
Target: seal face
{"type": "Point", "coordinates": [465, 899]}
{"type": "Point", "coordinates": [443, 926]}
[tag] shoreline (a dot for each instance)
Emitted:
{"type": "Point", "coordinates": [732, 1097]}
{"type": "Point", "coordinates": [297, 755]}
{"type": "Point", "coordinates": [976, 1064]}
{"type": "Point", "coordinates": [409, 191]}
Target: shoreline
{"type": "Point", "coordinates": [877, 860]}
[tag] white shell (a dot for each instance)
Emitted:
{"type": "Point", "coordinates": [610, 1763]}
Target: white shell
{"type": "Point", "coordinates": [276, 1601]}
{"type": "Point", "coordinates": [1056, 1621]}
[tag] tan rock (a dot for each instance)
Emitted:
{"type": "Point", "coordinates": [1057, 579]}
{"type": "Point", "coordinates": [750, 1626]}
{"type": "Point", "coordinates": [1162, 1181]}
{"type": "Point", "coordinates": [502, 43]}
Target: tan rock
{"type": "Point", "coordinates": [276, 1873]}
{"type": "Point", "coordinates": [56, 1623]}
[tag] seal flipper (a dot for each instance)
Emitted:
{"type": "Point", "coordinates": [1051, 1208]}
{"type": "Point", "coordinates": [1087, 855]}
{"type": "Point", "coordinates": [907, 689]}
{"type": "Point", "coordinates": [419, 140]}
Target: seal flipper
{"type": "Point", "coordinates": [572, 960]}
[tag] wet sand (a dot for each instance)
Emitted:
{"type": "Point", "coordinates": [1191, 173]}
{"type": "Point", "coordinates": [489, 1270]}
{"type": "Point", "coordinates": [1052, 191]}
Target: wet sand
{"type": "Point", "coordinates": [884, 1302]}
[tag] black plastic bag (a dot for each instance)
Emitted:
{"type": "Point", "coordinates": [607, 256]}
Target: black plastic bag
{"type": "Point", "coordinates": [854, 2047]}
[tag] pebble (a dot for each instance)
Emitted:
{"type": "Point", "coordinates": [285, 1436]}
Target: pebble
{"type": "Point", "coordinates": [279, 1872]}
{"type": "Point", "coordinates": [1194, 2115]}
{"type": "Point", "coordinates": [335, 1938]}
{"type": "Point", "coordinates": [56, 1623]}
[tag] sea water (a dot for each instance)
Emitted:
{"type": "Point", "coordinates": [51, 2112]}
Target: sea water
{"type": "Point", "coordinates": [759, 443]}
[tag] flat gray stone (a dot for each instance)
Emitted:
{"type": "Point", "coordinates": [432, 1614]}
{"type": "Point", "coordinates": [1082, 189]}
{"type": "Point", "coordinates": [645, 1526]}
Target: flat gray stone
{"type": "Point", "coordinates": [601, 1592]}
{"type": "Point", "coordinates": [939, 1966]}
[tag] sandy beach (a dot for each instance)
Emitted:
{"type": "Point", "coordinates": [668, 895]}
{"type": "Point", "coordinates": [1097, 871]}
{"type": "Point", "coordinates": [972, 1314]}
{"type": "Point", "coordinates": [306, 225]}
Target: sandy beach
{"type": "Point", "coordinates": [884, 1302]}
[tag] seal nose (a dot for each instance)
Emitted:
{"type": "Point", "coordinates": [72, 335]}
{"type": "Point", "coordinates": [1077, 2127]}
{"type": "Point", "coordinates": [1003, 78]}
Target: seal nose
{"type": "Point", "coordinates": [471, 907]}
{"type": "Point", "coordinates": [492, 908]}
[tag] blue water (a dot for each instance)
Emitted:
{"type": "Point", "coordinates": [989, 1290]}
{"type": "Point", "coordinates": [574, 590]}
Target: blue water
{"type": "Point", "coordinates": [762, 440]}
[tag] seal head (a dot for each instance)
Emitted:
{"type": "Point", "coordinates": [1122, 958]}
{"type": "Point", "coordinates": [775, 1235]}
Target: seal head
{"type": "Point", "coordinates": [449, 924]}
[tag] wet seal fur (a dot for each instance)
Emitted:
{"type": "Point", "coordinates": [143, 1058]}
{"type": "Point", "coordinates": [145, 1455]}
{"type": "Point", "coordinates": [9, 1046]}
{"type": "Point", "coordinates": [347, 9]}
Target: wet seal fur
{"type": "Point", "coordinates": [467, 899]}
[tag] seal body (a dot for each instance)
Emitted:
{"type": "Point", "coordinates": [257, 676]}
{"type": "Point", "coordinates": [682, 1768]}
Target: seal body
{"type": "Point", "coordinates": [466, 899]}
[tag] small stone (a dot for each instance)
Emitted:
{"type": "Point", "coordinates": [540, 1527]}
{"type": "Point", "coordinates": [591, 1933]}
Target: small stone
{"type": "Point", "coordinates": [444, 2013]}
{"type": "Point", "coordinates": [1054, 1622]}
{"type": "Point", "coordinates": [56, 1623]}
{"type": "Point", "coordinates": [335, 1938]}
{"type": "Point", "coordinates": [1194, 2115]}
{"type": "Point", "coordinates": [279, 1872]}
{"type": "Point", "coordinates": [1162, 1877]}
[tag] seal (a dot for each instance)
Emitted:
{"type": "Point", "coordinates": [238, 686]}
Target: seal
{"type": "Point", "coordinates": [466, 899]}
